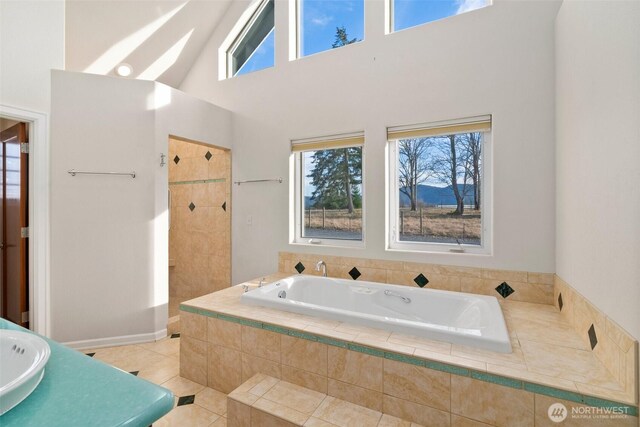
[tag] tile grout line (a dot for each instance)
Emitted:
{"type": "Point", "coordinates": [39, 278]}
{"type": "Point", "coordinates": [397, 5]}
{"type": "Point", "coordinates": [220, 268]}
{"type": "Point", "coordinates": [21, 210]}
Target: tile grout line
{"type": "Point", "coordinates": [430, 364]}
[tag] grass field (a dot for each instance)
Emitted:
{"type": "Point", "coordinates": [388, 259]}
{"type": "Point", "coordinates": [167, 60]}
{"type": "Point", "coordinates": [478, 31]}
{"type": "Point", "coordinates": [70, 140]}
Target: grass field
{"type": "Point", "coordinates": [437, 224]}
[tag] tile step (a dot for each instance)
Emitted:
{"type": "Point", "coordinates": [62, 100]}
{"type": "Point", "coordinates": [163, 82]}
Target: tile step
{"type": "Point", "coordinates": [263, 400]}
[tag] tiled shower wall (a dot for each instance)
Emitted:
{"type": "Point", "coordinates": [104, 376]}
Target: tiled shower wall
{"type": "Point", "coordinates": [200, 234]}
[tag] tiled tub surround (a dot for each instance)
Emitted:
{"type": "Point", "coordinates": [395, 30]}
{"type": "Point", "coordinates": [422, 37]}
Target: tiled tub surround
{"type": "Point", "coordinates": [616, 349]}
{"type": "Point", "coordinates": [516, 285]}
{"type": "Point", "coordinates": [199, 239]}
{"type": "Point", "coordinates": [427, 382]}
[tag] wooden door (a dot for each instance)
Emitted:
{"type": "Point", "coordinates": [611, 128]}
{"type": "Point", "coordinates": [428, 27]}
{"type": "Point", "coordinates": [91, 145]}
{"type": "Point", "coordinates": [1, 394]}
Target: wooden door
{"type": "Point", "coordinates": [14, 223]}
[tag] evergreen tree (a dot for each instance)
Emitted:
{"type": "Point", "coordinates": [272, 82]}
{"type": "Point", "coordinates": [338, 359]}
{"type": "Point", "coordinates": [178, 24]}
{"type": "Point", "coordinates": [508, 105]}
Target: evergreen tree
{"type": "Point", "coordinates": [342, 39]}
{"type": "Point", "coordinates": [336, 175]}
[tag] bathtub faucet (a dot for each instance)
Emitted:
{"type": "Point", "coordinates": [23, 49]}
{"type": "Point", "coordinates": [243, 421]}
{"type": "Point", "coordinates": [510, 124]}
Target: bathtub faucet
{"type": "Point", "coordinates": [393, 294]}
{"type": "Point", "coordinates": [322, 265]}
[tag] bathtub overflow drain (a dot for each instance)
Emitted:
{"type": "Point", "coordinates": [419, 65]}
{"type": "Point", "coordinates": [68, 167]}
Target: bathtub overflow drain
{"type": "Point", "coordinates": [282, 294]}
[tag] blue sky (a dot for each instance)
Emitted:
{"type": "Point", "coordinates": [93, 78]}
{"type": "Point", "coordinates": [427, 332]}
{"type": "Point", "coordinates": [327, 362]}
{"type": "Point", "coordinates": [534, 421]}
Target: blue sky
{"type": "Point", "coordinates": [319, 19]}
{"type": "Point", "coordinates": [262, 57]}
{"type": "Point", "coordinates": [409, 13]}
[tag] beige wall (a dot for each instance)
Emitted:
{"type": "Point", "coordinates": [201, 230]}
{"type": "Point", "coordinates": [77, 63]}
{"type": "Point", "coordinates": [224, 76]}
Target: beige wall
{"type": "Point", "coordinates": [199, 240]}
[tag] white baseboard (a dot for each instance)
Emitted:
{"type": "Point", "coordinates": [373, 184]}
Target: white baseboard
{"type": "Point", "coordinates": [115, 341]}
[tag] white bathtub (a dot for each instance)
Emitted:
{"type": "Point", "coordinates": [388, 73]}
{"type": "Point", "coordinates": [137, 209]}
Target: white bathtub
{"type": "Point", "coordinates": [455, 317]}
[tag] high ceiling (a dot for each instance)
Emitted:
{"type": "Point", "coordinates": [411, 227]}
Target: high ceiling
{"type": "Point", "coordinates": [159, 39]}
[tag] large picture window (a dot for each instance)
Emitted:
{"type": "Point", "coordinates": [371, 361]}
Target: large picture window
{"type": "Point", "coordinates": [439, 186]}
{"type": "Point", "coordinates": [329, 190]}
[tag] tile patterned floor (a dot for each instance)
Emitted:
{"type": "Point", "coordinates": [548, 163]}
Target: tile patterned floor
{"type": "Point", "coordinates": [159, 362]}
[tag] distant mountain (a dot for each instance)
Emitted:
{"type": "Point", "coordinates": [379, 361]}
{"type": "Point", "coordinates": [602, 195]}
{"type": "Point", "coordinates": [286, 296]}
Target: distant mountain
{"type": "Point", "coordinates": [431, 195]}
{"type": "Point", "coordinates": [428, 195]}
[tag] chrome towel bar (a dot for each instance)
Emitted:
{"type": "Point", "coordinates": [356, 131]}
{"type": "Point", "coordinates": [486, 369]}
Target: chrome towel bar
{"type": "Point", "coordinates": [278, 180]}
{"type": "Point", "coordinates": [74, 172]}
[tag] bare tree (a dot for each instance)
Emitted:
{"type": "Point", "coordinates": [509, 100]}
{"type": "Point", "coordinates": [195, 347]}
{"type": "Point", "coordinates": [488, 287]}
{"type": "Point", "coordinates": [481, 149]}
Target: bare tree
{"type": "Point", "coordinates": [448, 165]}
{"type": "Point", "coordinates": [472, 145]}
{"type": "Point", "coordinates": [414, 167]}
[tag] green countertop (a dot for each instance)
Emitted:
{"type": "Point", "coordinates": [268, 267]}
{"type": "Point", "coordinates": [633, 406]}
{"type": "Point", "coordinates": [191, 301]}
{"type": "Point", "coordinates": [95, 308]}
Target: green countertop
{"type": "Point", "coordinates": [79, 391]}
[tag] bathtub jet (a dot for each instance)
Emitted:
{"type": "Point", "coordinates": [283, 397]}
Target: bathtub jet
{"type": "Point", "coordinates": [455, 317]}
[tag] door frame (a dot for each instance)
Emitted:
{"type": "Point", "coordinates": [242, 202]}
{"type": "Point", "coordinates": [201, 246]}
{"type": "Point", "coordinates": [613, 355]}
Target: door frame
{"type": "Point", "coordinates": [39, 211]}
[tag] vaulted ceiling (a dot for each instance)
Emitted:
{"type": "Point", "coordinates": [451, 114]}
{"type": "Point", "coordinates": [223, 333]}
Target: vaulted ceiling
{"type": "Point", "coordinates": [159, 39]}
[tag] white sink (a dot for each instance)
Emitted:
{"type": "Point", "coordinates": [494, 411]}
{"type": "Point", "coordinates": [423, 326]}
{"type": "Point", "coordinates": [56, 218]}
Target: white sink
{"type": "Point", "coordinates": [22, 360]}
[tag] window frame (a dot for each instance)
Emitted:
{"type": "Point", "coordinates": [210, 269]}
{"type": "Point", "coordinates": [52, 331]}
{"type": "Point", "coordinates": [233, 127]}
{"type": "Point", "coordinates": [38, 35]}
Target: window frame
{"type": "Point", "coordinates": [297, 187]}
{"type": "Point", "coordinates": [228, 55]}
{"type": "Point", "coordinates": [486, 203]}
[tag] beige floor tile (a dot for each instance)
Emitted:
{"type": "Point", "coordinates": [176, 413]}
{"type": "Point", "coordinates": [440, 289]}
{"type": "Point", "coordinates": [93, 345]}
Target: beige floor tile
{"type": "Point", "coordinates": [220, 422]}
{"type": "Point", "coordinates": [128, 358]}
{"type": "Point", "coordinates": [187, 415]}
{"type": "Point", "coordinates": [212, 400]}
{"type": "Point", "coordinates": [161, 371]}
{"type": "Point", "coordinates": [182, 386]}
{"type": "Point", "coordinates": [345, 414]}
{"type": "Point", "coordinates": [166, 346]}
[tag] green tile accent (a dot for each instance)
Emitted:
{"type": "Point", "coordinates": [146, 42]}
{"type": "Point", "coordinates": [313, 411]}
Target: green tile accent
{"type": "Point", "coordinates": [303, 335]}
{"type": "Point", "coordinates": [196, 310]}
{"type": "Point", "coordinates": [333, 342]}
{"type": "Point", "coordinates": [366, 350]}
{"type": "Point", "coordinates": [403, 358]}
{"type": "Point", "coordinates": [199, 181]}
{"type": "Point", "coordinates": [274, 328]}
{"type": "Point", "coordinates": [553, 392]}
{"type": "Point", "coordinates": [443, 367]}
{"type": "Point", "coordinates": [188, 309]}
{"type": "Point", "coordinates": [438, 366]}
{"type": "Point", "coordinates": [495, 379]}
